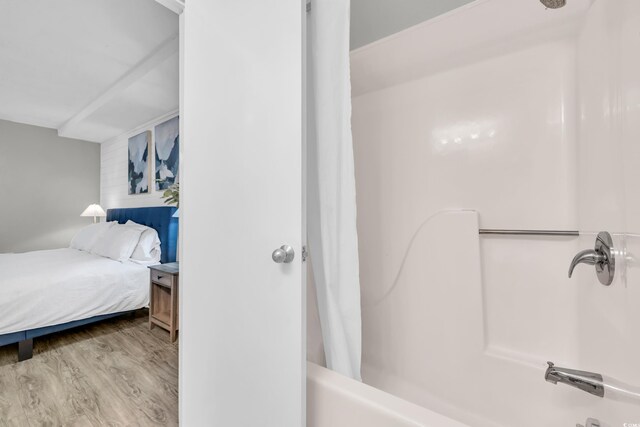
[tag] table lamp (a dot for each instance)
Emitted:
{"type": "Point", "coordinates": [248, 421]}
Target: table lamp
{"type": "Point", "coordinates": [95, 211]}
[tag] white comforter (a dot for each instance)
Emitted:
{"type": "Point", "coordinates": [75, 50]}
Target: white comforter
{"type": "Point", "coordinates": [45, 288]}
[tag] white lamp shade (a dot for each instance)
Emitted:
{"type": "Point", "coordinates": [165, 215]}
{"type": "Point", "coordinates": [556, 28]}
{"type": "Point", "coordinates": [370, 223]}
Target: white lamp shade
{"type": "Point", "coordinates": [94, 211]}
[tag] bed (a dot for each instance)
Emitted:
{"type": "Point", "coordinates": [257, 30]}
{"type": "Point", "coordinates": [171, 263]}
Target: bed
{"type": "Point", "coordinates": [43, 292]}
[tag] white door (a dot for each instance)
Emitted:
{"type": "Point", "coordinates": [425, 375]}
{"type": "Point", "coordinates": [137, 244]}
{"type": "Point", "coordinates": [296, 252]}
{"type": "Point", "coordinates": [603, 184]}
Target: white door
{"type": "Point", "coordinates": [242, 334]}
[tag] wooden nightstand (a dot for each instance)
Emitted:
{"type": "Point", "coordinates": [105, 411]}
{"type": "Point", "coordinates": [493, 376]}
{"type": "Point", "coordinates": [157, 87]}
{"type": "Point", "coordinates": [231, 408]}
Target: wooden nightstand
{"type": "Point", "coordinates": [163, 298]}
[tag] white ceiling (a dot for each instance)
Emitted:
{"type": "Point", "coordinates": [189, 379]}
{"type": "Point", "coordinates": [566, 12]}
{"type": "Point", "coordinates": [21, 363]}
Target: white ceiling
{"type": "Point", "coordinates": [372, 20]}
{"type": "Point", "coordinates": [93, 69]}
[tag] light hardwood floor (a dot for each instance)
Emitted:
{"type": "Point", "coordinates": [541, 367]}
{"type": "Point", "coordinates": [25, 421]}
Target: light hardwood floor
{"type": "Point", "coordinates": [114, 373]}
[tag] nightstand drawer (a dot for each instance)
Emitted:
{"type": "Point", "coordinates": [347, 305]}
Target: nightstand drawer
{"type": "Point", "coordinates": [161, 277]}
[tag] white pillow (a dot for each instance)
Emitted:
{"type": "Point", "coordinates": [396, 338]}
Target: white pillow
{"type": "Point", "coordinates": [86, 238]}
{"type": "Point", "coordinates": [118, 242]}
{"type": "Point", "coordinates": [148, 247]}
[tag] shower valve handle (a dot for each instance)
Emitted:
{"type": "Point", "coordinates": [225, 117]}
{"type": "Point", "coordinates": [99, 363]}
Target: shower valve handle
{"type": "Point", "coordinates": [588, 256]}
{"type": "Point", "coordinates": [602, 257]}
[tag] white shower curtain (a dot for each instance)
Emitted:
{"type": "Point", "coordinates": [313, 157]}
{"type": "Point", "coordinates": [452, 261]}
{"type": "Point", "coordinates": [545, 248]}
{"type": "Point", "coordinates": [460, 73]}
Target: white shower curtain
{"type": "Point", "coordinates": [332, 235]}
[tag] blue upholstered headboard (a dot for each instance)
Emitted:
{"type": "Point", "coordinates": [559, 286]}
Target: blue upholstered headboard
{"type": "Point", "coordinates": [159, 218]}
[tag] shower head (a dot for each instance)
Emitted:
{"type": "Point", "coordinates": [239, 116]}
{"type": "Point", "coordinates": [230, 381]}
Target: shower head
{"type": "Point", "coordinates": [553, 4]}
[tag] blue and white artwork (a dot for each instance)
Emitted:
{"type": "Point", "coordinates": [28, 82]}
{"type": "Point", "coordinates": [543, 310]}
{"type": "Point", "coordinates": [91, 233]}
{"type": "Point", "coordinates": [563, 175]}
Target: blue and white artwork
{"type": "Point", "coordinates": [167, 153]}
{"type": "Point", "coordinates": [139, 172]}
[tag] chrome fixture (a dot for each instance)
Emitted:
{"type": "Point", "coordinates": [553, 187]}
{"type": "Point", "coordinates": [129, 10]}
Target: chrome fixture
{"type": "Point", "coordinates": [591, 422]}
{"type": "Point", "coordinates": [602, 257]}
{"type": "Point", "coordinates": [283, 254]}
{"type": "Point", "coordinates": [553, 4]}
{"type": "Point", "coordinates": [568, 233]}
{"type": "Point", "coordinates": [585, 381]}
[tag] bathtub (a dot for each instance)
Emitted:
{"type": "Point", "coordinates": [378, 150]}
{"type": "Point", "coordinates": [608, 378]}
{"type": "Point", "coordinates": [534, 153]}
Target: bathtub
{"type": "Point", "coordinates": [334, 400]}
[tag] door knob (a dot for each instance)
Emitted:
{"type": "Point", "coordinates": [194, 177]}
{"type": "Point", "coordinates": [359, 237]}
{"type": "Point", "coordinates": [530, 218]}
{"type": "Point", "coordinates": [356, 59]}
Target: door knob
{"type": "Point", "coordinates": [283, 254]}
{"type": "Point", "coordinates": [602, 257]}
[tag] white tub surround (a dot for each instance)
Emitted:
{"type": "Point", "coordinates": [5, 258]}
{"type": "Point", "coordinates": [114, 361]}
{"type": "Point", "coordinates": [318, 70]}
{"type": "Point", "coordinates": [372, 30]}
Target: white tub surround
{"type": "Point", "coordinates": [332, 234]}
{"type": "Point", "coordinates": [473, 136]}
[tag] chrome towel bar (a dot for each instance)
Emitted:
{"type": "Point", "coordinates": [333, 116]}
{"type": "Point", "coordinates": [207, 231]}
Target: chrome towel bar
{"type": "Point", "coordinates": [495, 231]}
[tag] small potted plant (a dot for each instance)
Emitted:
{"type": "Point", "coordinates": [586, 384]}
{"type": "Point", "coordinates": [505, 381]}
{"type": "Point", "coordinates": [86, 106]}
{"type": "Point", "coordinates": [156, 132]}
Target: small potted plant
{"type": "Point", "coordinates": [172, 195]}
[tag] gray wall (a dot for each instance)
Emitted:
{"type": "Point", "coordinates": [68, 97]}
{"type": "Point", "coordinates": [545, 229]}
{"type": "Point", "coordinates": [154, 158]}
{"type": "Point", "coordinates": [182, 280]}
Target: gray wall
{"type": "Point", "coordinates": [374, 19]}
{"type": "Point", "coordinates": [45, 183]}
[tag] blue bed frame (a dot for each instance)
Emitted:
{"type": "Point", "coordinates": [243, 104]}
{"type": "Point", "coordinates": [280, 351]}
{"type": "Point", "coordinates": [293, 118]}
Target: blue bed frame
{"type": "Point", "coordinates": [159, 218]}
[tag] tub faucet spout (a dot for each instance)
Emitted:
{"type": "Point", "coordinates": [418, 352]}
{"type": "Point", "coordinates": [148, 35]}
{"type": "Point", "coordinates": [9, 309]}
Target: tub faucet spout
{"type": "Point", "coordinates": [586, 381]}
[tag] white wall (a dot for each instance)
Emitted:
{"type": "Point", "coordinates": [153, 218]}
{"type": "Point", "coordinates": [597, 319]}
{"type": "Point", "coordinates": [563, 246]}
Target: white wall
{"type": "Point", "coordinates": [114, 192]}
{"type": "Point", "coordinates": [46, 182]}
